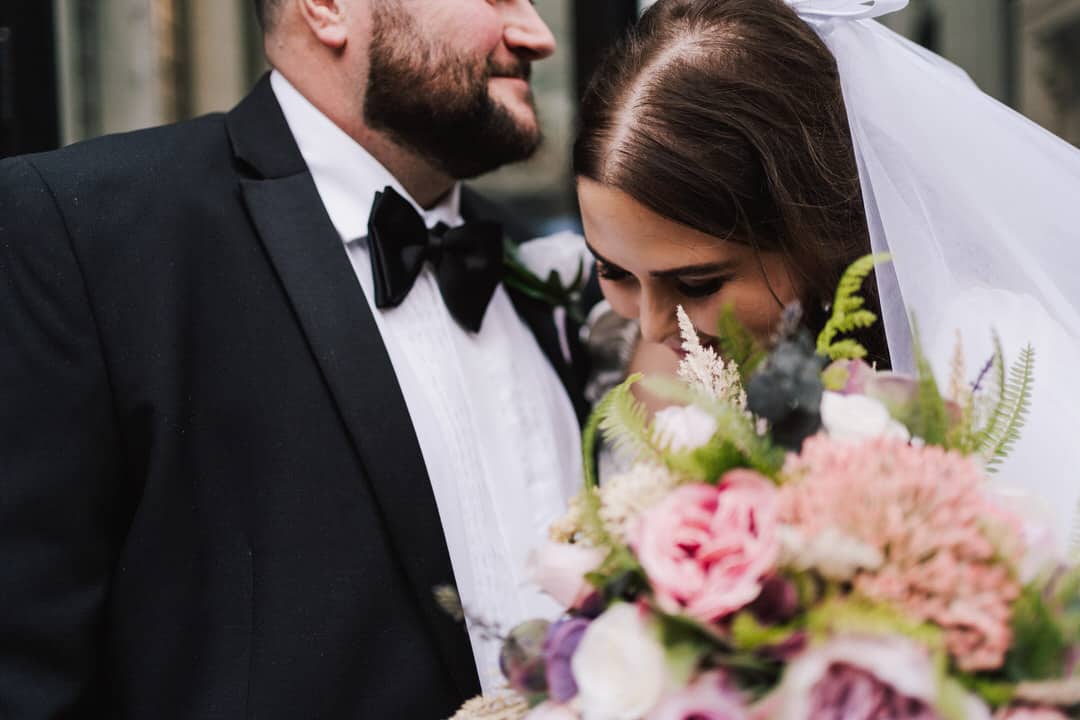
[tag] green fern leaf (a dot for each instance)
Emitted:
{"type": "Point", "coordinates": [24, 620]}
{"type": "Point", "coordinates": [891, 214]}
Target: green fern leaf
{"type": "Point", "coordinates": [1012, 410]}
{"type": "Point", "coordinates": [848, 312]}
{"type": "Point", "coordinates": [856, 320]}
{"type": "Point", "coordinates": [622, 421]}
{"type": "Point", "coordinates": [846, 350]}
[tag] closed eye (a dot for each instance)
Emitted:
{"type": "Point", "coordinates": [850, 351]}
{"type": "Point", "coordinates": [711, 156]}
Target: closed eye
{"type": "Point", "coordinates": [607, 271]}
{"type": "Point", "coordinates": [700, 288]}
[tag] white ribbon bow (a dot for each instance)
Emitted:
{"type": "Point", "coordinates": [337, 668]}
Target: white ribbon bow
{"type": "Point", "coordinates": [821, 10]}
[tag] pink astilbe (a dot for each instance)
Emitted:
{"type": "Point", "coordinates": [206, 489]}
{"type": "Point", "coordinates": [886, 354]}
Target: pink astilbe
{"type": "Point", "coordinates": [923, 508]}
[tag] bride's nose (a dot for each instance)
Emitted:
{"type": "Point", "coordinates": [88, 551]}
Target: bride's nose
{"type": "Point", "coordinates": [656, 315]}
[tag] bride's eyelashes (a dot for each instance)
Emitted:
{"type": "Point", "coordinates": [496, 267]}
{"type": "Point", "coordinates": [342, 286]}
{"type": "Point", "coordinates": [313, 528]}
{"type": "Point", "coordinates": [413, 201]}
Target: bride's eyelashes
{"type": "Point", "coordinates": [690, 289]}
{"type": "Point", "coordinates": [700, 288]}
{"type": "Point", "coordinates": [608, 271]}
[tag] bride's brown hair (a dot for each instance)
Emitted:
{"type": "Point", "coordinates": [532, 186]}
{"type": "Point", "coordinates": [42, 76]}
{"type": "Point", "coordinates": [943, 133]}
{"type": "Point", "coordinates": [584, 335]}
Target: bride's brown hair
{"type": "Point", "coordinates": [727, 116]}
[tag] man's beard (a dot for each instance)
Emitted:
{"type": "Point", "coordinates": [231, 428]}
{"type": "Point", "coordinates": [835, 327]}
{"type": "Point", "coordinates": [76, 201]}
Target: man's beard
{"type": "Point", "coordinates": [437, 104]}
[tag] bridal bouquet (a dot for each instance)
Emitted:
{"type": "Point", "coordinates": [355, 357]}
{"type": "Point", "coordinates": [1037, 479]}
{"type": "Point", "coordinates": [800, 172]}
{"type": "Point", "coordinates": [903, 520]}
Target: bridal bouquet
{"type": "Point", "coordinates": [802, 537]}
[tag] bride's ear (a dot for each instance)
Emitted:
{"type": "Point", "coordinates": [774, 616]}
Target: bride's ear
{"type": "Point", "coordinates": [327, 21]}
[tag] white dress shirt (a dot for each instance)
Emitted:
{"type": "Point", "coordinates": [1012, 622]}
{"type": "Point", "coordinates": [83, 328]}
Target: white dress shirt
{"type": "Point", "coordinates": [497, 431]}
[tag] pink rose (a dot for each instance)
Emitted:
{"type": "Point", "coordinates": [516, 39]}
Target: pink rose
{"type": "Point", "coordinates": [705, 549]}
{"type": "Point", "coordinates": [710, 697]}
{"type": "Point", "coordinates": [559, 569]}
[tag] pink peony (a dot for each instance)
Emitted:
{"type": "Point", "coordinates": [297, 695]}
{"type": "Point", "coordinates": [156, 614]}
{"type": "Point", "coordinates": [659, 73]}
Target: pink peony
{"type": "Point", "coordinates": [855, 677]}
{"type": "Point", "coordinates": [924, 510]}
{"type": "Point", "coordinates": [559, 570]}
{"type": "Point", "coordinates": [705, 549]}
{"type": "Point", "coordinates": [710, 697]}
{"type": "Point", "coordinates": [1030, 712]}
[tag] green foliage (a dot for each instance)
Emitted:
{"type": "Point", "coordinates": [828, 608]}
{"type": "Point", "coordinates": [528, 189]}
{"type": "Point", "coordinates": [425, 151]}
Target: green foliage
{"type": "Point", "coordinates": [619, 578]}
{"type": "Point", "coordinates": [1039, 646]}
{"type": "Point", "coordinates": [929, 418]}
{"type": "Point", "coordinates": [750, 635]}
{"type": "Point", "coordinates": [706, 464]}
{"type": "Point", "coordinates": [625, 422]}
{"type": "Point", "coordinates": [735, 444]}
{"type": "Point", "coordinates": [622, 420]}
{"type": "Point", "coordinates": [738, 345]}
{"type": "Point", "coordinates": [849, 313]}
{"type": "Point", "coordinates": [994, 692]}
{"type": "Point", "coordinates": [859, 616]}
{"type": "Point", "coordinates": [1010, 411]}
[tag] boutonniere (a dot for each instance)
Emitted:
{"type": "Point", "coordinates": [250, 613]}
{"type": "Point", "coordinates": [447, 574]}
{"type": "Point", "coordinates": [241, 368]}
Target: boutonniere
{"type": "Point", "coordinates": [552, 269]}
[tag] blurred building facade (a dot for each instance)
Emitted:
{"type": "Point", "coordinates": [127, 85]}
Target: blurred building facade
{"type": "Point", "coordinates": [124, 64]}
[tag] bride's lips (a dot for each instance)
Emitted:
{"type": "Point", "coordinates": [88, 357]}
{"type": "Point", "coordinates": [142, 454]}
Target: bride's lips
{"type": "Point", "coordinates": [676, 347]}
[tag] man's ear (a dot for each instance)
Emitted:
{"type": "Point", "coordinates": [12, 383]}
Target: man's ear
{"type": "Point", "coordinates": [326, 19]}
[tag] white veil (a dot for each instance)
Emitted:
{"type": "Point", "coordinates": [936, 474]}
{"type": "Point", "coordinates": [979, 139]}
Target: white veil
{"type": "Point", "coordinates": [980, 209]}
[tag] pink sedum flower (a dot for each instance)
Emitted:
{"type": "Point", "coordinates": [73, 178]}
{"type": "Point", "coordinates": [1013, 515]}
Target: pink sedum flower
{"type": "Point", "coordinates": [924, 510]}
{"type": "Point", "coordinates": [705, 549]}
{"type": "Point", "coordinates": [710, 697]}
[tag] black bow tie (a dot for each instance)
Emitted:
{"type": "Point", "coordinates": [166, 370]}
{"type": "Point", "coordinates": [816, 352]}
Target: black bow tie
{"type": "Point", "coordinates": [467, 259]}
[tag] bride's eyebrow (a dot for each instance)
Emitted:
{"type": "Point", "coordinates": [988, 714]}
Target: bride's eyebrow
{"type": "Point", "coordinates": [603, 260]}
{"type": "Point", "coordinates": [715, 268]}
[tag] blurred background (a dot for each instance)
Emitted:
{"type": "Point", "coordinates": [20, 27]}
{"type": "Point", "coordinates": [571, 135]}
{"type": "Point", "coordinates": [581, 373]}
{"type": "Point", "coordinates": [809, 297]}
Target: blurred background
{"type": "Point", "coordinates": [75, 69]}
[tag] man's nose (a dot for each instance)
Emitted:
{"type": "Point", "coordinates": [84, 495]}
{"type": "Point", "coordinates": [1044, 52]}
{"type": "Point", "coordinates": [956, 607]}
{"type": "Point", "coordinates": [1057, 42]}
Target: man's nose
{"type": "Point", "coordinates": [526, 33]}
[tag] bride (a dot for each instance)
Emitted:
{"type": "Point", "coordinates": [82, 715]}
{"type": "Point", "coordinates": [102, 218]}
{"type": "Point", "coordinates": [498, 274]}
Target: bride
{"type": "Point", "coordinates": [743, 152]}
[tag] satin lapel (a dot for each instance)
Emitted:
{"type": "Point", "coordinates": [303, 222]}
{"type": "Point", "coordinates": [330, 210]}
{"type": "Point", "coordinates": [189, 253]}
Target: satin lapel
{"type": "Point", "coordinates": [330, 306]}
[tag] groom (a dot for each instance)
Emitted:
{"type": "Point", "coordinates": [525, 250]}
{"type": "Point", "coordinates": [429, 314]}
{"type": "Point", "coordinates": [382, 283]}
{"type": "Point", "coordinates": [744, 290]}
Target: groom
{"type": "Point", "coordinates": [261, 390]}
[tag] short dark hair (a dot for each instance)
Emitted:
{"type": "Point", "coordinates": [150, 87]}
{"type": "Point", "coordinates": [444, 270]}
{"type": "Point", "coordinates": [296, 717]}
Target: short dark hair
{"type": "Point", "coordinates": [727, 116]}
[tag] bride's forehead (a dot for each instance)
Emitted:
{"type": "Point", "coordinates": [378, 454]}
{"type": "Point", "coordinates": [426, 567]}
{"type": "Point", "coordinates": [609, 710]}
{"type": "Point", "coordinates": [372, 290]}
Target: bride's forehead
{"type": "Point", "coordinates": [620, 227]}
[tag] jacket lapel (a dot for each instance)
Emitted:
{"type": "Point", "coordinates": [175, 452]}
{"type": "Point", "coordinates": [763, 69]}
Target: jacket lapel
{"type": "Point", "coordinates": [313, 266]}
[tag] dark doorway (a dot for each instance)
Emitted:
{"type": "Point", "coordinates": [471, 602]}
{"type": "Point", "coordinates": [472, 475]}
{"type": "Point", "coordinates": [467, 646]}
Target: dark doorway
{"type": "Point", "coordinates": [29, 109]}
{"type": "Point", "coordinates": [597, 25]}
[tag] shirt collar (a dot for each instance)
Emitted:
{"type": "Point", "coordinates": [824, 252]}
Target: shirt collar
{"type": "Point", "coordinates": [346, 175]}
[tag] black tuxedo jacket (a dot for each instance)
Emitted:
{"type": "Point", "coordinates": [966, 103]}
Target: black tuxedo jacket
{"type": "Point", "coordinates": [212, 500]}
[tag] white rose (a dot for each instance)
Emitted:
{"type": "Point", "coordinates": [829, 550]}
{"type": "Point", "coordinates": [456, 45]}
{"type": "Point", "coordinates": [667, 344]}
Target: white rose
{"type": "Point", "coordinates": [564, 253]}
{"type": "Point", "coordinates": [684, 428]}
{"type": "Point", "coordinates": [858, 417]}
{"type": "Point", "coordinates": [832, 553]}
{"type": "Point", "coordinates": [619, 666]}
{"type": "Point", "coordinates": [559, 569]}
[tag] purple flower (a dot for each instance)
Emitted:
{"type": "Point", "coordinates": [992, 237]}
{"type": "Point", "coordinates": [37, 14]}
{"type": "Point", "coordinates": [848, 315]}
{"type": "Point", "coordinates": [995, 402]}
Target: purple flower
{"type": "Point", "coordinates": [778, 601]}
{"type": "Point", "coordinates": [522, 657]}
{"type": "Point", "coordinates": [562, 641]}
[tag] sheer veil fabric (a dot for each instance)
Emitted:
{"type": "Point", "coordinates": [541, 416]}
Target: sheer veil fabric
{"type": "Point", "coordinates": [980, 210]}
